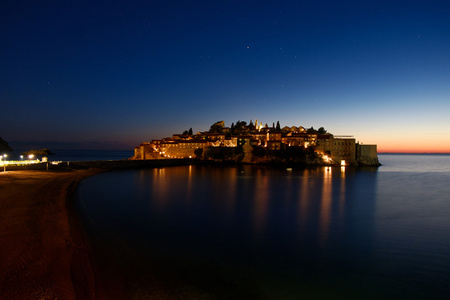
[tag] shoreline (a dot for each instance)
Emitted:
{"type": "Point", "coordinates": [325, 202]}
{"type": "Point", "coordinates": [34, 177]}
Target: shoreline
{"type": "Point", "coordinates": [44, 252]}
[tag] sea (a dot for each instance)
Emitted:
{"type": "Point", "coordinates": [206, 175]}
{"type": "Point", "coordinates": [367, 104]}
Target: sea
{"type": "Point", "coordinates": [253, 232]}
{"type": "Point", "coordinates": [79, 155]}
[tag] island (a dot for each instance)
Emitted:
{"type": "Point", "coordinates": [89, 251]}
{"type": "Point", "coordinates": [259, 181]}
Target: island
{"type": "Point", "coordinates": [254, 143]}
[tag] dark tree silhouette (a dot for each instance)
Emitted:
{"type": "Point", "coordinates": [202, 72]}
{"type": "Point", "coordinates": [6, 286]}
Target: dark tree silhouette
{"type": "Point", "coordinates": [311, 130]}
{"type": "Point", "coordinates": [217, 127]}
{"type": "Point", "coordinates": [4, 147]}
{"type": "Point", "coordinates": [321, 130]}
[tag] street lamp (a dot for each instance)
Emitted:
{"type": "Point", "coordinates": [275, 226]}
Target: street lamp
{"type": "Point", "coordinates": [4, 164]}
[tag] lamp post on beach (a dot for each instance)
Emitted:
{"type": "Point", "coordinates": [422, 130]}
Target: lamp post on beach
{"type": "Point", "coordinates": [4, 163]}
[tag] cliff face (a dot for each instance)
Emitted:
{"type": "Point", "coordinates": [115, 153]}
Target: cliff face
{"type": "Point", "coordinates": [307, 161]}
{"type": "Point", "coordinates": [368, 161]}
{"type": "Point", "coordinates": [261, 155]}
{"type": "Point", "coordinates": [290, 156]}
{"type": "Point", "coordinates": [247, 153]}
{"type": "Point", "coordinates": [230, 154]}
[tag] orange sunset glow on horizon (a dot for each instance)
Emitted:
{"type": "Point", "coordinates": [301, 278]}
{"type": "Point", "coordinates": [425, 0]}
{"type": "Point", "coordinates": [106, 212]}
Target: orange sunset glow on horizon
{"type": "Point", "coordinates": [413, 148]}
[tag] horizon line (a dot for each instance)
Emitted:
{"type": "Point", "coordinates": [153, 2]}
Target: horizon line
{"type": "Point", "coordinates": [400, 152]}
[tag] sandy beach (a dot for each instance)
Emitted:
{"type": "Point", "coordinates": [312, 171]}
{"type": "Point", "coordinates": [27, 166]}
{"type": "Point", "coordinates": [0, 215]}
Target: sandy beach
{"type": "Point", "coordinates": [43, 251]}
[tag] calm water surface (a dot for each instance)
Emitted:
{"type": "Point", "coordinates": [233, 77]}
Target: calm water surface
{"type": "Point", "coordinates": [80, 155]}
{"type": "Point", "coordinates": [259, 233]}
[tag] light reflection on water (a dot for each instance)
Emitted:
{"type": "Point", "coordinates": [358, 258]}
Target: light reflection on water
{"type": "Point", "coordinates": [259, 233]}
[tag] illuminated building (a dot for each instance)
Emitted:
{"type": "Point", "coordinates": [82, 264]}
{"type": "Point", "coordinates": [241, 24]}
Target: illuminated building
{"type": "Point", "coordinates": [332, 148]}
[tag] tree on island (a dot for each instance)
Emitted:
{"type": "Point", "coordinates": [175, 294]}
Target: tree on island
{"type": "Point", "coordinates": [239, 127]}
{"type": "Point", "coordinates": [224, 153]}
{"type": "Point", "coordinates": [188, 132]}
{"type": "Point", "coordinates": [241, 124]}
{"type": "Point", "coordinates": [311, 130]}
{"type": "Point", "coordinates": [321, 130]}
{"type": "Point", "coordinates": [217, 127]}
{"type": "Point", "coordinates": [198, 152]}
{"type": "Point", "coordinates": [278, 128]}
{"type": "Point", "coordinates": [4, 147]}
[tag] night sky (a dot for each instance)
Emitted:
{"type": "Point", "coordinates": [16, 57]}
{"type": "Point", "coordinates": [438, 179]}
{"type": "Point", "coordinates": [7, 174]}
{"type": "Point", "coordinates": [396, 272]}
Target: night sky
{"type": "Point", "coordinates": [112, 74]}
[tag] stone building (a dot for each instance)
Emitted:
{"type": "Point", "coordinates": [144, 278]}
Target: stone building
{"type": "Point", "coordinates": [302, 139]}
{"type": "Point", "coordinates": [340, 149]}
{"type": "Point", "coordinates": [367, 154]}
{"type": "Point", "coordinates": [274, 141]}
{"type": "Point", "coordinates": [181, 149]}
{"type": "Point", "coordinates": [334, 149]}
{"type": "Point", "coordinates": [147, 150]}
{"type": "Point", "coordinates": [343, 150]}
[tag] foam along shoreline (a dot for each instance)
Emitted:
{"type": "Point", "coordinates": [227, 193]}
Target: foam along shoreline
{"type": "Point", "coordinates": [43, 252]}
